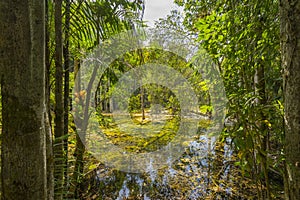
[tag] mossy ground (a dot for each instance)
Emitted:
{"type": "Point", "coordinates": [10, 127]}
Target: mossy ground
{"type": "Point", "coordinates": [202, 172]}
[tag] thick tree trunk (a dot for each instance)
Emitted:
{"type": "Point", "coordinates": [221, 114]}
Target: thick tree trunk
{"type": "Point", "coordinates": [22, 55]}
{"type": "Point", "coordinates": [290, 48]}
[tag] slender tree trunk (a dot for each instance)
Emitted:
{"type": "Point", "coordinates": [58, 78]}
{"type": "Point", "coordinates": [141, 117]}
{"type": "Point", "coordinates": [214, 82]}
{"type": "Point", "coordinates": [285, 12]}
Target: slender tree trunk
{"type": "Point", "coordinates": [142, 61]}
{"type": "Point", "coordinates": [260, 88]}
{"type": "Point", "coordinates": [82, 124]}
{"type": "Point", "coordinates": [142, 102]}
{"type": "Point", "coordinates": [49, 136]}
{"type": "Point", "coordinates": [79, 166]}
{"type": "Point", "coordinates": [22, 55]}
{"type": "Point", "coordinates": [78, 154]}
{"type": "Point", "coordinates": [79, 150]}
{"type": "Point", "coordinates": [59, 107]}
{"type": "Point", "coordinates": [290, 49]}
{"type": "Point", "coordinates": [66, 89]}
{"type": "Point", "coordinates": [49, 159]}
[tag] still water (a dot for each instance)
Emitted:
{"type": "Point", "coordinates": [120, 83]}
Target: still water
{"type": "Point", "coordinates": [204, 170]}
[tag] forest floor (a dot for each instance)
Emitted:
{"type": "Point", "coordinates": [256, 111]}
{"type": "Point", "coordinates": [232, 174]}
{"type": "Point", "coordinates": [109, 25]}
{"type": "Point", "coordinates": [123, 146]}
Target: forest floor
{"type": "Point", "coordinates": [207, 169]}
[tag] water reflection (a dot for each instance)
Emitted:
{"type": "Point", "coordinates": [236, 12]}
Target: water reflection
{"type": "Point", "coordinates": [205, 170]}
{"type": "Point", "coordinates": [195, 175]}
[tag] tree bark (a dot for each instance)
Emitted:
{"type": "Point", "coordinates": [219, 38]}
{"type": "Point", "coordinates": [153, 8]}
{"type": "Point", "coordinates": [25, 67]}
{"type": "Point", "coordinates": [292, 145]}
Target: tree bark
{"type": "Point", "coordinates": [290, 49]}
{"type": "Point", "coordinates": [59, 106]}
{"type": "Point", "coordinates": [22, 55]}
{"type": "Point", "coordinates": [66, 90]}
{"type": "Point", "coordinates": [48, 126]}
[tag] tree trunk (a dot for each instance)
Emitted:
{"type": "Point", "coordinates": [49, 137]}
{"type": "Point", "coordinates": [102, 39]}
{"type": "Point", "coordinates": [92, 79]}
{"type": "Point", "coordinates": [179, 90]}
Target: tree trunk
{"type": "Point", "coordinates": [261, 100]}
{"type": "Point", "coordinates": [22, 55]}
{"type": "Point", "coordinates": [49, 136]}
{"type": "Point", "coordinates": [290, 49]}
{"type": "Point", "coordinates": [82, 125]}
{"type": "Point", "coordinates": [59, 107]}
{"type": "Point", "coordinates": [79, 151]}
{"type": "Point", "coordinates": [66, 90]}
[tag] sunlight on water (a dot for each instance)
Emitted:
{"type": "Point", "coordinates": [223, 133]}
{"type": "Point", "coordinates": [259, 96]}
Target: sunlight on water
{"type": "Point", "coordinates": [190, 177]}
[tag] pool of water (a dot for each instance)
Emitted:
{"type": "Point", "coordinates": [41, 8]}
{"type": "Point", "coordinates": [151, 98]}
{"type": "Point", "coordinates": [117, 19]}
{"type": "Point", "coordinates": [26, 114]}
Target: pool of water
{"type": "Point", "coordinates": [204, 170]}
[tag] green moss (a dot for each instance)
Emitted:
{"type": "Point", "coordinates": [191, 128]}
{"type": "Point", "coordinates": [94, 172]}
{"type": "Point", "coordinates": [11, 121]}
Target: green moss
{"type": "Point", "coordinates": [156, 135]}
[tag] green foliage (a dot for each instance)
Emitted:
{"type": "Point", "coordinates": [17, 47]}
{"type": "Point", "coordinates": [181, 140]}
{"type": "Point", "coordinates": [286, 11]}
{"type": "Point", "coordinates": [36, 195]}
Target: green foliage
{"type": "Point", "coordinates": [95, 21]}
{"type": "Point", "coordinates": [153, 93]}
{"type": "Point", "coordinates": [241, 37]}
{"type": "Point", "coordinates": [135, 103]}
{"type": "Point", "coordinates": [243, 40]}
{"type": "Point", "coordinates": [91, 22]}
